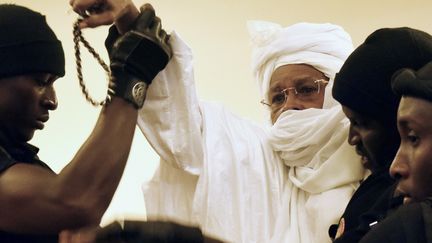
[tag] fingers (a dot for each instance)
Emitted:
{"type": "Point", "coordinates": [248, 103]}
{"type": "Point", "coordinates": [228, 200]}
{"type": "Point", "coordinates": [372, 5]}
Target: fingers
{"type": "Point", "coordinates": [94, 12]}
{"type": "Point", "coordinates": [109, 233]}
{"type": "Point", "coordinates": [156, 26]}
{"type": "Point", "coordinates": [159, 32]}
{"type": "Point", "coordinates": [104, 12]}
{"type": "Point", "coordinates": [77, 236]}
{"type": "Point", "coordinates": [84, 7]}
{"type": "Point", "coordinates": [146, 18]}
{"type": "Point", "coordinates": [163, 36]}
{"type": "Point", "coordinates": [147, 6]}
{"type": "Point", "coordinates": [95, 20]}
{"type": "Point", "coordinates": [65, 237]}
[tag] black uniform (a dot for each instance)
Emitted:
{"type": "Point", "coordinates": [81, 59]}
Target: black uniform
{"type": "Point", "coordinates": [410, 223]}
{"type": "Point", "coordinates": [369, 204]}
{"type": "Point", "coordinates": [10, 155]}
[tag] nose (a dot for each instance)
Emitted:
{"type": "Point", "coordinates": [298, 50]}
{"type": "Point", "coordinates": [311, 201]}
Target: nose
{"type": "Point", "coordinates": [353, 136]}
{"type": "Point", "coordinates": [398, 168]}
{"type": "Point", "coordinates": [49, 99]}
{"type": "Point", "coordinates": [291, 101]}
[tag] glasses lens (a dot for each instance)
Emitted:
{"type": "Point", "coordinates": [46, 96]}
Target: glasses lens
{"type": "Point", "coordinates": [307, 89]}
{"type": "Point", "coordinates": [278, 98]}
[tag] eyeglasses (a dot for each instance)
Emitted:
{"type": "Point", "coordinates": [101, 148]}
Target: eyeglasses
{"type": "Point", "coordinates": [305, 91]}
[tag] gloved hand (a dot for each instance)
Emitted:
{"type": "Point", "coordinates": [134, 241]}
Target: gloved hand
{"type": "Point", "coordinates": [148, 231]}
{"type": "Point", "coordinates": [138, 56]}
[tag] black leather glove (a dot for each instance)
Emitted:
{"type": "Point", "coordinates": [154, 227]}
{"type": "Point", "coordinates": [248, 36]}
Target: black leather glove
{"type": "Point", "coordinates": [149, 231]}
{"type": "Point", "coordinates": [138, 56]}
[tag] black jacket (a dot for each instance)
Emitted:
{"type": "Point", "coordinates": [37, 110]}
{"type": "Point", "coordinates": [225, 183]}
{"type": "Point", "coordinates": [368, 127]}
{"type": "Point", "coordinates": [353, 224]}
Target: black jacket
{"type": "Point", "coordinates": [368, 205]}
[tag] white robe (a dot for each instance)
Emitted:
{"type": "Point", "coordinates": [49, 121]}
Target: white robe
{"type": "Point", "coordinates": [220, 171]}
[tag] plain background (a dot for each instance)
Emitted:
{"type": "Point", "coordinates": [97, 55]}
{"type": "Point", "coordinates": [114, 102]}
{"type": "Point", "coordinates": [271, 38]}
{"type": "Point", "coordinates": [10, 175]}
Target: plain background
{"type": "Point", "coordinates": [216, 31]}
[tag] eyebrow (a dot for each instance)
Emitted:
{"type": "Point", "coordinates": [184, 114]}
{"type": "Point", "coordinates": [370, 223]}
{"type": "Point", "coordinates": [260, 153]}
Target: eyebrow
{"type": "Point", "coordinates": [402, 122]}
{"type": "Point", "coordinates": [300, 80]}
{"type": "Point", "coordinates": [408, 123]}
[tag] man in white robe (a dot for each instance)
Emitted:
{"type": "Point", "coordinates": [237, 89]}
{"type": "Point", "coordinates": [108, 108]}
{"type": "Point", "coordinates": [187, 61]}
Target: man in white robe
{"type": "Point", "coordinates": [245, 182]}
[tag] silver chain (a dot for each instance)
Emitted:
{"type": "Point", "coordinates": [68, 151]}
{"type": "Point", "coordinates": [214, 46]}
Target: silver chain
{"type": "Point", "coordinates": [78, 37]}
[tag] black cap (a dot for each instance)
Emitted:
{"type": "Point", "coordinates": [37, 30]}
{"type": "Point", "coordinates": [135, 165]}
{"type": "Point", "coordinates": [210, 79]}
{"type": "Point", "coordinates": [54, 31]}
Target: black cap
{"type": "Point", "coordinates": [415, 84]}
{"type": "Point", "coordinates": [27, 43]}
{"type": "Point", "coordinates": [364, 81]}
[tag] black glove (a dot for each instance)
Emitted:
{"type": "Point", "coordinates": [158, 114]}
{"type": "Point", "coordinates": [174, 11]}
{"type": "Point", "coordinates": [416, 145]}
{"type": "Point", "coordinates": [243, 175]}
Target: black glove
{"type": "Point", "coordinates": [151, 232]}
{"type": "Point", "coordinates": [138, 56]}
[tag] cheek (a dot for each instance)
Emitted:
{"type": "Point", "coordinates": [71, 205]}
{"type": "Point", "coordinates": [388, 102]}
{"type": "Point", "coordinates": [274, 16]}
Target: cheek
{"type": "Point", "coordinates": [275, 113]}
{"type": "Point", "coordinates": [373, 146]}
{"type": "Point", "coordinates": [320, 102]}
{"type": "Point", "coordinates": [376, 143]}
{"type": "Point", "coordinates": [316, 103]}
{"type": "Point", "coordinates": [21, 108]}
{"type": "Point", "coordinates": [421, 166]}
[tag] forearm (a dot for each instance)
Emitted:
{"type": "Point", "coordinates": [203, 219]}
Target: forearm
{"type": "Point", "coordinates": [170, 118]}
{"type": "Point", "coordinates": [91, 178]}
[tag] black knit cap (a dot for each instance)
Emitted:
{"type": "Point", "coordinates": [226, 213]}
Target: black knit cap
{"type": "Point", "coordinates": [363, 83]}
{"type": "Point", "coordinates": [407, 82]}
{"type": "Point", "coordinates": [27, 43]}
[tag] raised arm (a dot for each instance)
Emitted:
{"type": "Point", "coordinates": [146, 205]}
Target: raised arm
{"type": "Point", "coordinates": [171, 118]}
{"type": "Point", "coordinates": [33, 200]}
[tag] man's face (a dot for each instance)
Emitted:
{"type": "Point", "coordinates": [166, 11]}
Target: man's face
{"type": "Point", "coordinates": [412, 165]}
{"type": "Point", "coordinates": [376, 141]}
{"type": "Point", "coordinates": [24, 104]}
{"type": "Point", "coordinates": [307, 93]}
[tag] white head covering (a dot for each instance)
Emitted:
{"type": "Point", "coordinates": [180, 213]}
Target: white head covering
{"type": "Point", "coordinates": [323, 46]}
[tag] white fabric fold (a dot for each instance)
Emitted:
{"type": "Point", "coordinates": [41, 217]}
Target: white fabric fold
{"type": "Point", "coordinates": [234, 178]}
{"type": "Point", "coordinates": [170, 118]}
{"type": "Point", "coordinates": [323, 171]}
{"type": "Point", "coordinates": [217, 170]}
{"type": "Point", "coordinates": [299, 135]}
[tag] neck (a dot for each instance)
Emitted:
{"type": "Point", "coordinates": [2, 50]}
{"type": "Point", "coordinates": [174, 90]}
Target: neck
{"type": "Point", "coordinates": [8, 140]}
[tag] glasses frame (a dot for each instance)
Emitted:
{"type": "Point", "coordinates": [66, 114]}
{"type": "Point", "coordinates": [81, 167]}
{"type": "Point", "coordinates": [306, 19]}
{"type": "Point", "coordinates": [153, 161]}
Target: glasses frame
{"type": "Point", "coordinates": [284, 91]}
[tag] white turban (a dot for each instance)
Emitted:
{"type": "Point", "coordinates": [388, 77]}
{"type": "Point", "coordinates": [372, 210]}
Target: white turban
{"type": "Point", "coordinates": [323, 46]}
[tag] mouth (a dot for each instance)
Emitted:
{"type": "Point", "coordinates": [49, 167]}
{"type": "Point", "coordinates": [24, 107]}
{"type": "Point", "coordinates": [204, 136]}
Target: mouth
{"type": "Point", "coordinates": [406, 196]}
{"type": "Point", "coordinates": [39, 124]}
{"type": "Point", "coordinates": [364, 159]}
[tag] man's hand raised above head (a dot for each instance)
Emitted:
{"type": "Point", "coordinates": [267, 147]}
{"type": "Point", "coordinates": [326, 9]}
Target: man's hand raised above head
{"type": "Point", "coordinates": [106, 12]}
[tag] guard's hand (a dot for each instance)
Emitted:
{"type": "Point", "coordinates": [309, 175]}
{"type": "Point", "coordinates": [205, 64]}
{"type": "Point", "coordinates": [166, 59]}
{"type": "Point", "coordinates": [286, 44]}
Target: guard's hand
{"type": "Point", "coordinates": [138, 56]}
{"type": "Point", "coordinates": [83, 235]}
{"type": "Point", "coordinates": [152, 232]}
{"type": "Point", "coordinates": [144, 50]}
{"type": "Point", "coordinates": [105, 12]}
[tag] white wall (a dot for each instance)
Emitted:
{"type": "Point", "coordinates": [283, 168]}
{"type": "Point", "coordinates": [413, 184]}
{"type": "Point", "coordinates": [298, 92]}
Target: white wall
{"type": "Point", "coordinates": [216, 31]}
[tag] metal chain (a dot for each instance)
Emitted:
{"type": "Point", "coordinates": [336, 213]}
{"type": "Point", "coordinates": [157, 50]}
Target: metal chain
{"type": "Point", "coordinates": [77, 39]}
